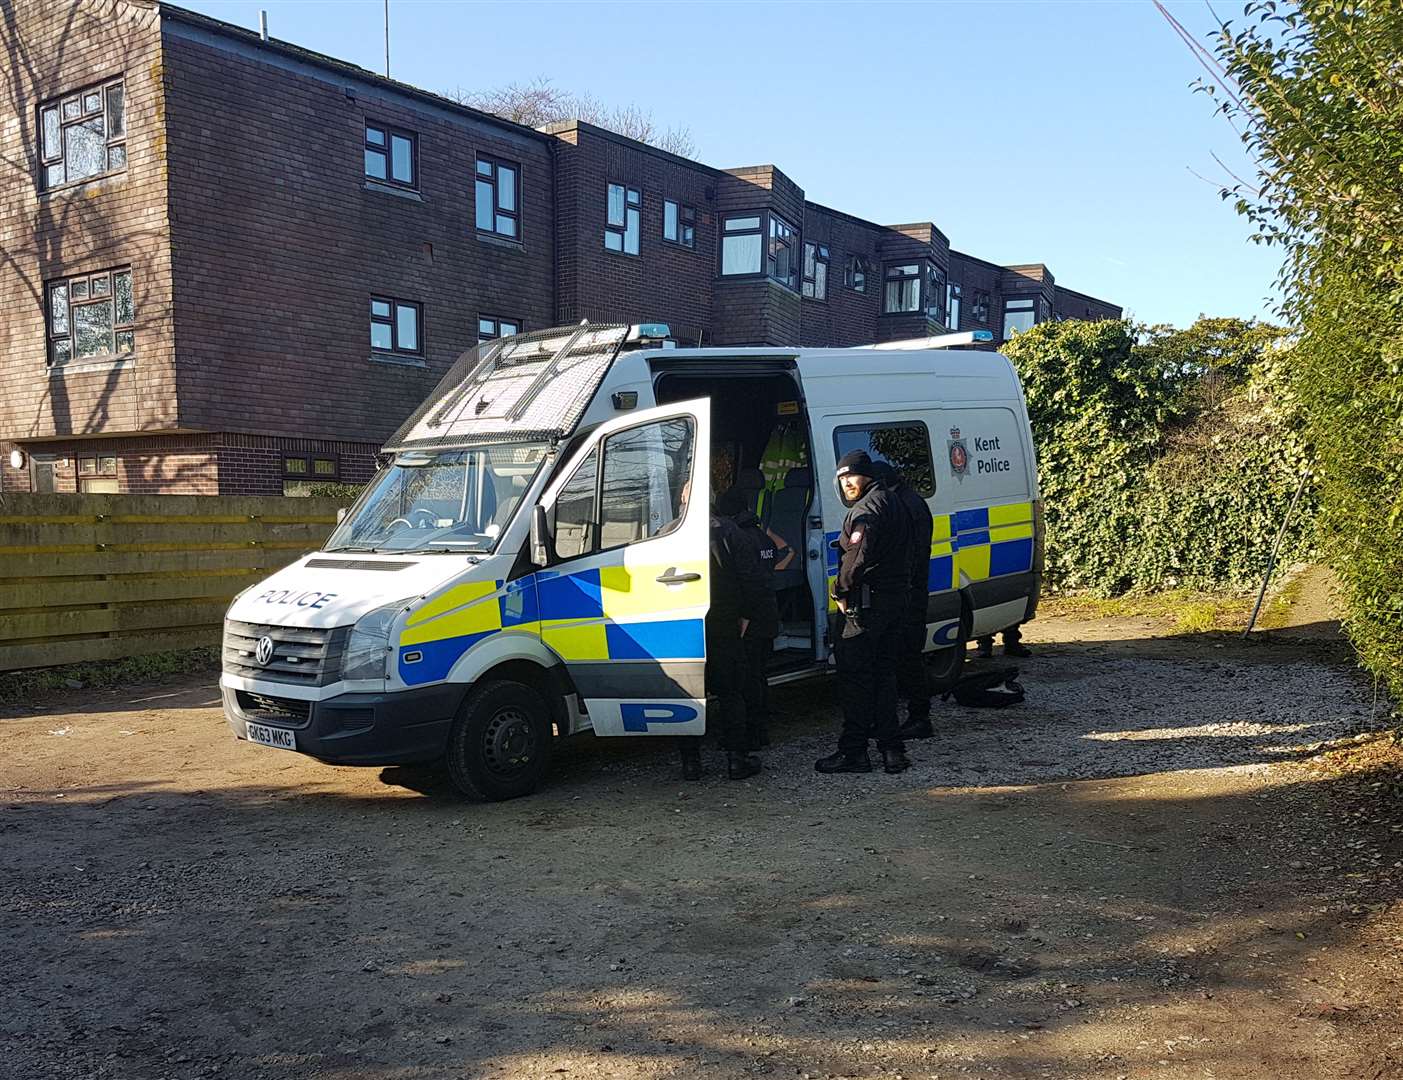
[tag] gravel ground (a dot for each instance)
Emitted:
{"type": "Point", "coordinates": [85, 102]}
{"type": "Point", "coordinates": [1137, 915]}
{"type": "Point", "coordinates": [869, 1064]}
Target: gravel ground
{"type": "Point", "coordinates": [1132, 875]}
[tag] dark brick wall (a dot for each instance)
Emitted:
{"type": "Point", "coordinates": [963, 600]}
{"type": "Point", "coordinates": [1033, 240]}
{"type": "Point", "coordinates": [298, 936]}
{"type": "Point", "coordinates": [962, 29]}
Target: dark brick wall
{"type": "Point", "coordinates": [1070, 304]}
{"type": "Point", "coordinates": [245, 188]}
{"type": "Point", "coordinates": [52, 49]}
{"type": "Point", "coordinates": [844, 316]}
{"type": "Point", "coordinates": [280, 242]}
{"type": "Point", "coordinates": [664, 282]}
{"type": "Point", "coordinates": [975, 276]}
{"type": "Point", "coordinates": [199, 464]}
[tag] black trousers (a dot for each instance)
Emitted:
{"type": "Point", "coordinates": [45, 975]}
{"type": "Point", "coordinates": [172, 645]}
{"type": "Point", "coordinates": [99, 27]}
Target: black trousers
{"type": "Point", "coordinates": [912, 678]}
{"type": "Point", "coordinates": [758, 650]}
{"type": "Point", "coordinates": [868, 651]}
{"type": "Point", "coordinates": [725, 681]}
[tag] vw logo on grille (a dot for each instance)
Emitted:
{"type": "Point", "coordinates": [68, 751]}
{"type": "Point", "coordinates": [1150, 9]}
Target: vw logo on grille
{"type": "Point", "coordinates": [263, 651]}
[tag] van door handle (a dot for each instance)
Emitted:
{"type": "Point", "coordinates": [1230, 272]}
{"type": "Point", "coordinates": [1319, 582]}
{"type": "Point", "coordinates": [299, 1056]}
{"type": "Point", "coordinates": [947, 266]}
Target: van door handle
{"type": "Point", "coordinates": [670, 576]}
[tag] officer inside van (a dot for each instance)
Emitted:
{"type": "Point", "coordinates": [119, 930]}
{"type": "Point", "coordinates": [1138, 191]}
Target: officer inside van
{"type": "Point", "coordinates": [873, 584]}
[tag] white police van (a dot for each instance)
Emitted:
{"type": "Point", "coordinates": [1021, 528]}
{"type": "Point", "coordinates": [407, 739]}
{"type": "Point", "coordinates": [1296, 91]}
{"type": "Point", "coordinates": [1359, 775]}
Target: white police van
{"type": "Point", "coordinates": [533, 559]}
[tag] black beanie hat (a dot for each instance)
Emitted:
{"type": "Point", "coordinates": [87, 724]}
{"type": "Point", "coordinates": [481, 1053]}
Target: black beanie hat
{"type": "Point", "coordinates": [856, 463]}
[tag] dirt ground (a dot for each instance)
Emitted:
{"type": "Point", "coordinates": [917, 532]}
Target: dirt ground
{"type": "Point", "coordinates": [1148, 870]}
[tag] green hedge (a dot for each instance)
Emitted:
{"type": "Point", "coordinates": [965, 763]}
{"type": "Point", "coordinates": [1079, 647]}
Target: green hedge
{"type": "Point", "coordinates": [1167, 458]}
{"type": "Point", "coordinates": [1313, 87]}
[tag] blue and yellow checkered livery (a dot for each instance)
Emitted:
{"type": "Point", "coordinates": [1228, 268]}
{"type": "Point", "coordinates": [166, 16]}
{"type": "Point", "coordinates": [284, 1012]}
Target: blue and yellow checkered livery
{"type": "Point", "coordinates": [604, 613]}
{"type": "Point", "coordinates": [968, 545]}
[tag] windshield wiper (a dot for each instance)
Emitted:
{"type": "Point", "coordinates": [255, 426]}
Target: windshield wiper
{"type": "Point", "coordinates": [357, 550]}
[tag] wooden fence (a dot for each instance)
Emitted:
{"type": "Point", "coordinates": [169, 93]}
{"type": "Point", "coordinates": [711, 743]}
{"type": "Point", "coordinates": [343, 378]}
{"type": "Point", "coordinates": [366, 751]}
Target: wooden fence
{"type": "Point", "coordinates": [97, 577]}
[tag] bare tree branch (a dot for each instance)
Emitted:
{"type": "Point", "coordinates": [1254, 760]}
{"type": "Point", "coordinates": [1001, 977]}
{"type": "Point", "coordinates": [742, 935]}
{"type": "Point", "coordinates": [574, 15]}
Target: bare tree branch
{"type": "Point", "coordinates": [538, 103]}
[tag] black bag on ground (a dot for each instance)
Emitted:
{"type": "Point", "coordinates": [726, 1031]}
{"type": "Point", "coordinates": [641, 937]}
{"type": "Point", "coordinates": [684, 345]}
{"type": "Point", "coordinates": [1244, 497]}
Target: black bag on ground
{"type": "Point", "coordinates": [987, 689]}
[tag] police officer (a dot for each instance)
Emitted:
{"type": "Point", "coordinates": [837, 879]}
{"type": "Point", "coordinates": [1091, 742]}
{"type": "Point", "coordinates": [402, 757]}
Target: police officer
{"type": "Point", "coordinates": [1013, 644]}
{"type": "Point", "coordinates": [874, 580]}
{"type": "Point", "coordinates": [913, 683]}
{"type": "Point", "coordinates": [773, 554]}
{"type": "Point", "coordinates": [739, 588]}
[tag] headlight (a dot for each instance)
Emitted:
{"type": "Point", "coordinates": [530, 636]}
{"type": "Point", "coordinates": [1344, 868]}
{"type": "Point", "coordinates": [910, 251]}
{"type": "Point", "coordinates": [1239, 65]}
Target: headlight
{"type": "Point", "coordinates": [368, 651]}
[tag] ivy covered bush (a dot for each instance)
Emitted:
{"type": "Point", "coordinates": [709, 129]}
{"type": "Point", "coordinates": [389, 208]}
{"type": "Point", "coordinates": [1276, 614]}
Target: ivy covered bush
{"type": "Point", "coordinates": [1315, 87]}
{"type": "Point", "coordinates": [1167, 458]}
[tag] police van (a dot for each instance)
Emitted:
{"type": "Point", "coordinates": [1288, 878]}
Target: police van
{"type": "Point", "coordinates": [532, 559]}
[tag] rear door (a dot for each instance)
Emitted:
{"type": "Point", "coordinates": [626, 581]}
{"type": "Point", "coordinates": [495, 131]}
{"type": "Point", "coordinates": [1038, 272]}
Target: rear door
{"type": "Point", "coordinates": [624, 601]}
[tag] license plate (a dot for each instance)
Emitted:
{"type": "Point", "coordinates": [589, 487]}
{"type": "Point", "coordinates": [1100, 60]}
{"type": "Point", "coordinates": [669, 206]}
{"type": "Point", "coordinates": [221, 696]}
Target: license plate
{"type": "Point", "coordinates": [271, 736]}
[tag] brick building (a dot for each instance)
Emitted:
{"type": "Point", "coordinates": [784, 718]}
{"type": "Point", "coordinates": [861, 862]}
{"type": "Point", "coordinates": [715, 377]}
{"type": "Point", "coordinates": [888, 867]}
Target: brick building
{"type": "Point", "coordinates": [231, 265]}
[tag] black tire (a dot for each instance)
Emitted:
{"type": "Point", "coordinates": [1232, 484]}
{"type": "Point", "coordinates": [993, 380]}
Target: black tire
{"type": "Point", "coordinates": [944, 666]}
{"type": "Point", "coordinates": [499, 746]}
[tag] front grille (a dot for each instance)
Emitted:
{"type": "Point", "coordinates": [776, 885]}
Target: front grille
{"type": "Point", "coordinates": [285, 712]}
{"type": "Point", "coordinates": [301, 655]}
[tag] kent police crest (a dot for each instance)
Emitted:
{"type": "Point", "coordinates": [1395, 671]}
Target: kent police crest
{"type": "Point", "coordinates": [959, 456]}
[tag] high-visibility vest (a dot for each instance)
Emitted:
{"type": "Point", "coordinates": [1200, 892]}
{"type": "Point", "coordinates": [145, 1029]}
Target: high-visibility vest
{"type": "Point", "coordinates": [786, 450]}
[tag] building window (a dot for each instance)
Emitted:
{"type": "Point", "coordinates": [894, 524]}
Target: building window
{"type": "Point", "coordinates": [780, 263]}
{"type": "Point", "coordinates": [855, 274]}
{"type": "Point", "coordinates": [816, 271]}
{"type": "Point", "coordinates": [83, 135]}
{"type": "Point", "coordinates": [498, 201]}
{"type": "Point", "coordinates": [1020, 313]}
{"type": "Point", "coordinates": [92, 316]}
{"type": "Point", "coordinates": [679, 223]}
{"type": "Point", "coordinates": [622, 228]}
{"type": "Point", "coordinates": [935, 293]}
{"type": "Point", "coordinates": [394, 326]}
{"type": "Point", "coordinates": [489, 328]}
{"type": "Point", "coordinates": [952, 305]}
{"type": "Point", "coordinates": [903, 289]}
{"type": "Point", "coordinates": [301, 471]}
{"type": "Point", "coordinates": [741, 245]}
{"type": "Point", "coordinates": [391, 156]}
{"type": "Point", "coordinates": [979, 309]}
{"type": "Point", "coordinates": [97, 475]}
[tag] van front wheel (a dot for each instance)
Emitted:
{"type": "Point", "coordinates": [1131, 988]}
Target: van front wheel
{"type": "Point", "coordinates": [500, 743]}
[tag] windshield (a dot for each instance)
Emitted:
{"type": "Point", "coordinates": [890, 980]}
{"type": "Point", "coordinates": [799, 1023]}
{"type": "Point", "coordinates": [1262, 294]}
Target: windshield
{"type": "Point", "coordinates": [446, 500]}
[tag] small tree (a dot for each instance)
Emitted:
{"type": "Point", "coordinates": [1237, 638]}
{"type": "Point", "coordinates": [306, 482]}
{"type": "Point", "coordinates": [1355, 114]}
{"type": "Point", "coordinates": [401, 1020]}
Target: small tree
{"type": "Point", "coordinates": [539, 102]}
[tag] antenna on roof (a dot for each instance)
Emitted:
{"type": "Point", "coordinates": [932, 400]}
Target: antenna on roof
{"type": "Point", "coordinates": [387, 39]}
{"type": "Point", "coordinates": [263, 25]}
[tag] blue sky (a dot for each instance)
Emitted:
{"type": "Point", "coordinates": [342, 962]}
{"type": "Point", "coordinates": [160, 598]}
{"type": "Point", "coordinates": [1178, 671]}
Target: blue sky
{"type": "Point", "coordinates": [1056, 132]}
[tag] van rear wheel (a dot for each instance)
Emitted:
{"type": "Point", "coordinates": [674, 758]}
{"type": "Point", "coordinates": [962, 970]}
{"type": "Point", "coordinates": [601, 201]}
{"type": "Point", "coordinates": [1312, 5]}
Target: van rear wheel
{"type": "Point", "coordinates": [499, 745]}
{"type": "Point", "coordinates": [946, 665]}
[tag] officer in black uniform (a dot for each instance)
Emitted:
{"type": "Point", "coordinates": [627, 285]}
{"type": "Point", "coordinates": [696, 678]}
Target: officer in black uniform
{"type": "Point", "coordinates": [759, 641]}
{"type": "Point", "coordinates": [874, 580]}
{"type": "Point", "coordinates": [913, 683]}
{"type": "Point", "coordinates": [739, 589]}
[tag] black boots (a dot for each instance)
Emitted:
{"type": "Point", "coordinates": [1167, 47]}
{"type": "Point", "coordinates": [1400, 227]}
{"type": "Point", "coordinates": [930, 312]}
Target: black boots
{"type": "Point", "coordinates": [893, 761]}
{"type": "Point", "coordinates": [740, 765]}
{"type": "Point", "coordinates": [842, 762]}
{"type": "Point", "coordinates": [1015, 648]}
{"type": "Point", "coordinates": [917, 729]}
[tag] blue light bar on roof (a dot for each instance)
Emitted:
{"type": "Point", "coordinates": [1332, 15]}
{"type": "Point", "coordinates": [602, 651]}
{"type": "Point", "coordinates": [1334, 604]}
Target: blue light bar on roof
{"type": "Point", "coordinates": [649, 331]}
{"type": "Point", "coordinates": [983, 335]}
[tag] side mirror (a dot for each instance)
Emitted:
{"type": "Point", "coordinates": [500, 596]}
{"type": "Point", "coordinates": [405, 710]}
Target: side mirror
{"type": "Point", "coordinates": [341, 512]}
{"type": "Point", "coordinates": [540, 536]}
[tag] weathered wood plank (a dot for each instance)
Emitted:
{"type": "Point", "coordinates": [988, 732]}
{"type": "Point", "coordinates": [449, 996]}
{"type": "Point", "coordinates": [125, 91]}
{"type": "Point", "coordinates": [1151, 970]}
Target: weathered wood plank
{"type": "Point", "coordinates": [70, 622]}
{"type": "Point", "coordinates": [40, 565]}
{"type": "Point", "coordinates": [67, 564]}
{"type": "Point", "coordinates": [52, 653]}
{"type": "Point", "coordinates": [23, 539]}
{"type": "Point", "coordinates": [57, 592]}
{"type": "Point", "coordinates": [89, 506]}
